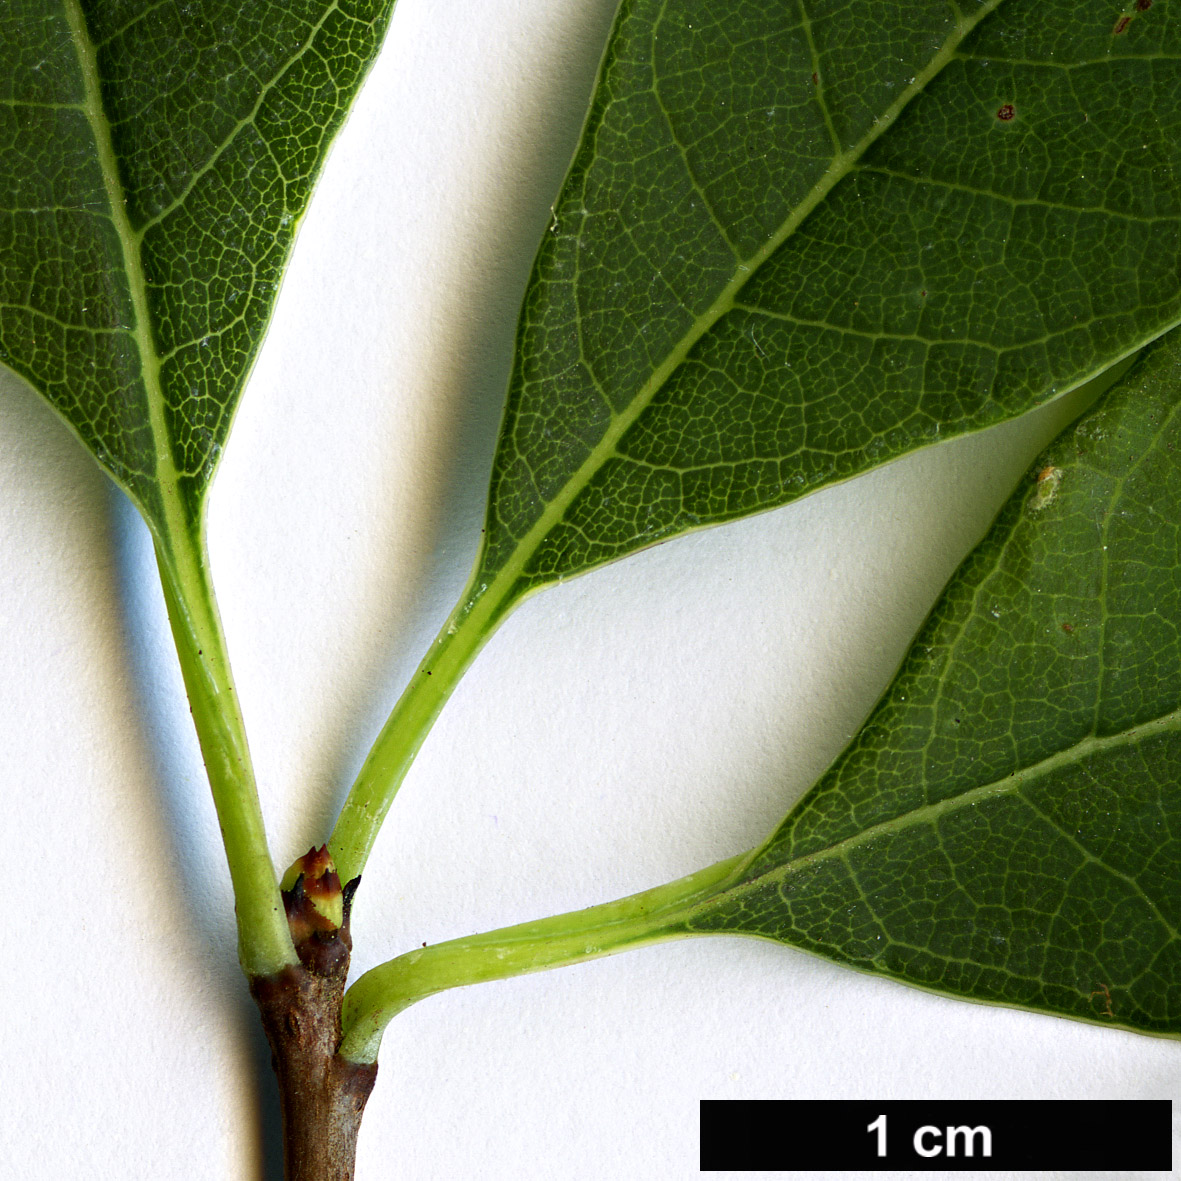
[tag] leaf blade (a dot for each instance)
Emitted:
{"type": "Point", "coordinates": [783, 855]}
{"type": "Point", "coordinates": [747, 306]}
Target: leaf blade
{"type": "Point", "coordinates": [631, 419]}
{"type": "Point", "coordinates": [57, 106]}
{"type": "Point", "coordinates": [1004, 826]}
{"type": "Point", "coordinates": [157, 180]}
{"type": "Point", "coordinates": [158, 160]}
{"type": "Point", "coordinates": [674, 389]}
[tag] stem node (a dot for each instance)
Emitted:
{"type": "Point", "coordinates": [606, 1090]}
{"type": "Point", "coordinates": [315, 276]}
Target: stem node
{"type": "Point", "coordinates": [322, 1094]}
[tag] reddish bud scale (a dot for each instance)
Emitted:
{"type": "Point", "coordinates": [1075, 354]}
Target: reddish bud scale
{"type": "Point", "coordinates": [317, 909]}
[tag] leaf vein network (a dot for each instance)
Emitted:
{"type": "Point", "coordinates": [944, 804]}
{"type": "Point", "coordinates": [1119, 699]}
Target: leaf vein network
{"type": "Point", "coordinates": [682, 150]}
{"type": "Point", "coordinates": [129, 24]}
{"type": "Point", "coordinates": [242, 124]}
{"type": "Point", "coordinates": [840, 167]}
{"type": "Point", "coordinates": [989, 346]}
{"type": "Point", "coordinates": [1050, 63]}
{"type": "Point", "coordinates": [818, 75]}
{"type": "Point", "coordinates": [1004, 787]}
{"type": "Point", "coordinates": [1093, 858]}
{"type": "Point", "coordinates": [1118, 486]}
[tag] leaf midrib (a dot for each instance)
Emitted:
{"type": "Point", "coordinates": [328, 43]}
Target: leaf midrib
{"type": "Point", "coordinates": [1011, 785]}
{"type": "Point", "coordinates": [502, 584]}
{"type": "Point", "coordinates": [166, 473]}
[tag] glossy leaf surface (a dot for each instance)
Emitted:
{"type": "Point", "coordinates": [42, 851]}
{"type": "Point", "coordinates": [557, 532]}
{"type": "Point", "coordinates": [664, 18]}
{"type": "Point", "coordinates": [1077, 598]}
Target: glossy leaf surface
{"type": "Point", "coordinates": [154, 160]}
{"type": "Point", "coordinates": [800, 239]}
{"type": "Point", "coordinates": [1007, 825]}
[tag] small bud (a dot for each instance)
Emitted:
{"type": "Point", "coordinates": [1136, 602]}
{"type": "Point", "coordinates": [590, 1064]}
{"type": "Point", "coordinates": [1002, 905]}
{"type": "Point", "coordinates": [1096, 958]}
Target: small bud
{"type": "Point", "coordinates": [312, 895]}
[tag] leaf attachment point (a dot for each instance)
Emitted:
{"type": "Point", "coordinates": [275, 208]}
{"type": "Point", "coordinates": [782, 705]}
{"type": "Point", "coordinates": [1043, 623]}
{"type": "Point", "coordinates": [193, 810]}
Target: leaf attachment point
{"type": "Point", "coordinates": [155, 160]}
{"type": "Point", "coordinates": [1005, 826]}
{"type": "Point", "coordinates": [777, 266]}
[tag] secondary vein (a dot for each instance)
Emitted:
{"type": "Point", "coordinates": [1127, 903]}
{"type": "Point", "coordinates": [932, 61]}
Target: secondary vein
{"type": "Point", "coordinates": [1011, 784]}
{"type": "Point", "coordinates": [842, 164]}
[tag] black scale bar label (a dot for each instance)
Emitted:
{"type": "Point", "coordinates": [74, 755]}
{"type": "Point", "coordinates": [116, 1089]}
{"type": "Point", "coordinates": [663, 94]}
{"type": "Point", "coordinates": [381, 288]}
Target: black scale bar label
{"type": "Point", "coordinates": [943, 1136]}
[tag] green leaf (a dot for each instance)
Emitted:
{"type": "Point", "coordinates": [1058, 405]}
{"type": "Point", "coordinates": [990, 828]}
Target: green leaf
{"type": "Point", "coordinates": [1007, 825]}
{"type": "Point", "coordinates": [800, 239]}
{"type": "Point", "coordinates": [154, 161]}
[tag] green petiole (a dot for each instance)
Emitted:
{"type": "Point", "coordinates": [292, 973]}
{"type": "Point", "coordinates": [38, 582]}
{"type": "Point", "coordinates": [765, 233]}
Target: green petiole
{"type": "Point", "coordinates": [264, 942]}
{"type": "Point", "coordinates": [468, 628]}
{"type": "Point", "coordinates": [649, 917]}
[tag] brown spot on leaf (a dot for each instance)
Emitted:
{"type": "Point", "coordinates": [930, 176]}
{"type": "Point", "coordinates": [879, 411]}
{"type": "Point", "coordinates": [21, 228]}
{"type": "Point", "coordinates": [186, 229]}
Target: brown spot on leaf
{"type": "Point", "coordinates": [1103, 991]}
{"type": "Point", "coordinates": [815, 78]}
{"type": "Point", "coordinates": [1067, 628]}
{"type": "Point", "coordinates": [1007, 112]}
{"type": "Point", "coordinates": [1121, 25]}
{"type": "Point", "coordinates": [1143, 5]}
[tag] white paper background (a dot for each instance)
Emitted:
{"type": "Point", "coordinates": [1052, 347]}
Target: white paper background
{"type": "Point", "coordinates": [619, 731]}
